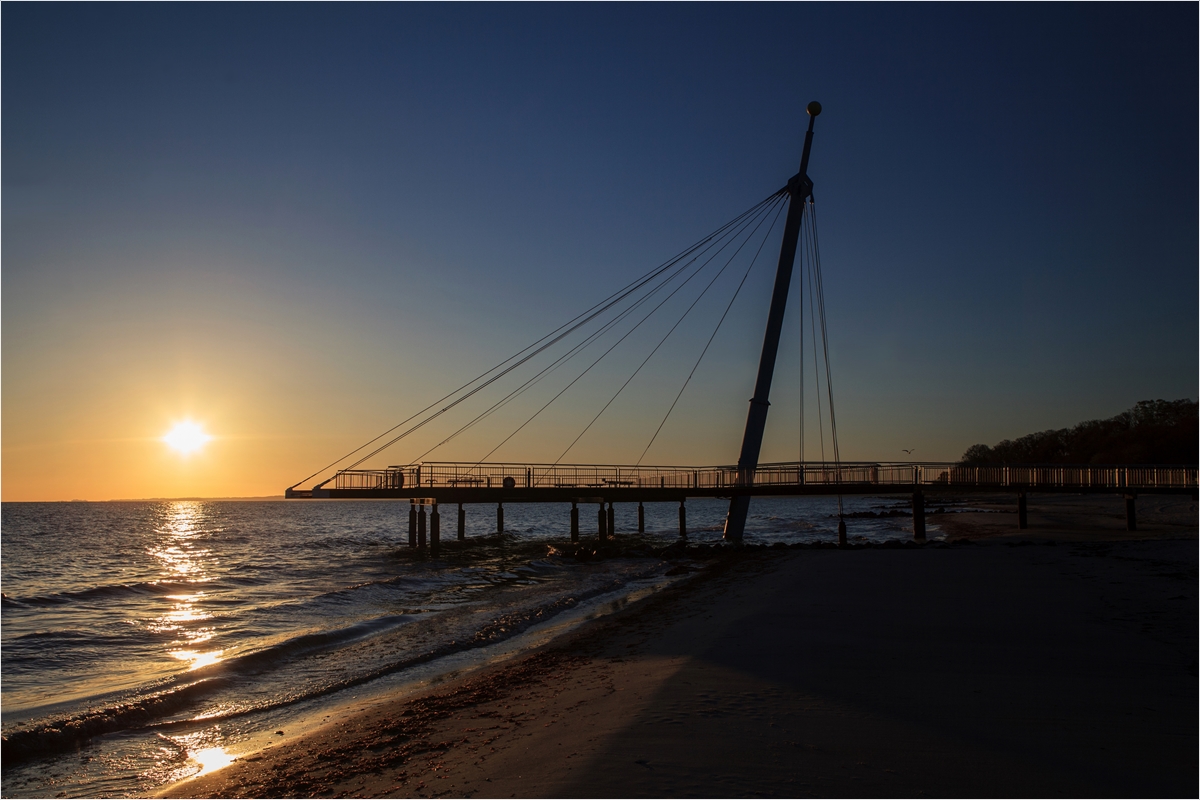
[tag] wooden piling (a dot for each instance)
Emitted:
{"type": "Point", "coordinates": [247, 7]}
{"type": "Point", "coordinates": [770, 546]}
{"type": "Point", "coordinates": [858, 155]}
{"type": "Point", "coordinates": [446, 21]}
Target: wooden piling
{"type": "Point", "coordinates": [612, 523]}
{"type": "Point", "coordinates": [412, 524]}
{"type": "Point", "coordinates": [499, 517]}
{"type": "Point", "coordinates": [435, 529]}
{"type": "Point", "coordinates": [574, 521]}
{"type": "Point", "coordinates": [918, 512]}
{"type": "Point", "coordinates": [641, 517]}
{"type": "Point", "coordinates": [421, 526]}
{"type": "Point", "coordinates": [462, 523]}
{"type": "Point", "coordinates": [682, 519]}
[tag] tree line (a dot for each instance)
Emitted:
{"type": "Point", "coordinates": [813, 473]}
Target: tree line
{"type": "Point", "coordinates": [1152, 432]}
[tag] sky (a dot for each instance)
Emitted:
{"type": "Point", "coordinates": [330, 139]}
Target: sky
{"type": "Point", "coordinates": [297, 225]}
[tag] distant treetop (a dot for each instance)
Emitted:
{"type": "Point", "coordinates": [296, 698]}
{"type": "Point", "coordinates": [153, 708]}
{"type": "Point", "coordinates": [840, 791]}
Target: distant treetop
{"type": "Point", "coordinates": [1152, 432]}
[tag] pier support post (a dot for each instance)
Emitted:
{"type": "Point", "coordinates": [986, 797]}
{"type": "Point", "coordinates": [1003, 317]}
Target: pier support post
{"type": "Point", "coordinates": [421, 526]}
{"type": "Point", "coordinates": [462, 523]}
{"type": "Point", "coordinates": [918, 511]}
{"type": "Point", "coordinates": [574, 521]}
{"type": "Point", "coordinates": [1131, 512]}
{"type": "Point", "coordinates": [499, 517]}
{"type": "Point", "coordinates": [682, 519]}
{"type": "Point", "coordinates": [612, 523]}
{"type": "Point", "coordinates": [601, 524]}
{"type": "Point", "coordinates": [412, 524]}
{"type": "Point", "coordinates": [1022, 511]}
{"type": "Point", "coordinates": [841, 532]}
{"type": "Point", "coordinates": [435, 529]}
{"type": "Point", "coordinates": [641, 517]}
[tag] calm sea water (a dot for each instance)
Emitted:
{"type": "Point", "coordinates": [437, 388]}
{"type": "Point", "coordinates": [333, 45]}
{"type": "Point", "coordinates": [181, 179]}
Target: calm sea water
{"type": "Point", "coordinates": [146, 642]}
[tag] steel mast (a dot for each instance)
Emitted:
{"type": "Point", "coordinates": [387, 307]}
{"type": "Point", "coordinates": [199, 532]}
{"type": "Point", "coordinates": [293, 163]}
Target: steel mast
{"type": "Point", "coordinates": [799, 189]}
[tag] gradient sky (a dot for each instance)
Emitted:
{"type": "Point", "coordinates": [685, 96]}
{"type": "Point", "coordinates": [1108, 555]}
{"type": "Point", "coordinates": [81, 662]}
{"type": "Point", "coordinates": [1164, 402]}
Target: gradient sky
{"type": "Point", "coordinates": [298, 224]}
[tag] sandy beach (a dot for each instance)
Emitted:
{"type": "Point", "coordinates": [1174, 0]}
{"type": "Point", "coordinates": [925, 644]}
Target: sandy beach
{"type": "Point", "coordinates": [1061, 660]}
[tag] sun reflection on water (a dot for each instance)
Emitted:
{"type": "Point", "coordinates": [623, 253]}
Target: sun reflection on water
{"type": "Point", "coordinates": [192, 755]}
{"type": "Point", "coordinates": [180, 550]}
{"type": "Point", "coordinates": [198, 659]}
{"type": "Point", "coordinates": [211, 759]}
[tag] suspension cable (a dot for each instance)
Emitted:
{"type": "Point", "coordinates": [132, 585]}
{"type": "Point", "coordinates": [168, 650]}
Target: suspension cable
{"type": "Point", "coordinates": [522, 361]}
{"type": "Point", "coordinates": [800, 305]}
{"type": "Point", "coordinates": [817, 298]}
{"type": "Point", "coordinates": [812, 318]}
{"type": "Point", "coordinates": [543, 343]}
{"type": "Point", "coordinates": [825, 340]}
{"type": "Point", "coordinates": [699, 297]}
{"type": "Point", "coordinates": [711, 337]}
{"type": "Point", "coordinates": [589, 340]}
{"type": "Point", "coordinates": [606, 352]}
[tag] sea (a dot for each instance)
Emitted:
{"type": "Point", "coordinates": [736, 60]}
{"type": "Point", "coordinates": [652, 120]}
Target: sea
{"type": "Point", "coordinates": [143, 643]}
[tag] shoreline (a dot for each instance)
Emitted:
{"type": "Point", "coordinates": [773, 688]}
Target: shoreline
{"type": "Point", "coordinates": [1066, 667]}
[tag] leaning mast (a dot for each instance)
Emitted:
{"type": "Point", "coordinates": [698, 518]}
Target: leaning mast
{"type": "Point", "coordinates": [799, 189]}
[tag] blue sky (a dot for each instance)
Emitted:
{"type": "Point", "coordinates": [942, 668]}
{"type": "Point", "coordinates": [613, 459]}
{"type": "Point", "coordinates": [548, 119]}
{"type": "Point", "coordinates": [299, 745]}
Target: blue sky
{"type": "Point", "coordinates": [301, 223]}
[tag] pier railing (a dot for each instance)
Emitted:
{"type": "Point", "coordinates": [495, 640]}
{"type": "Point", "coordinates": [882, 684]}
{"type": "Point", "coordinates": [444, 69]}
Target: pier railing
{"type": "Point", "coordinates": [900, 476]}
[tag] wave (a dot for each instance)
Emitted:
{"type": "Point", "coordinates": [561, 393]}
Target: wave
{"type": "Point", "coordinates": [106, 592]}
{"type": "Point", "coordinates": [66, 734]}
{"type": "Point", "coordinates": [59, 735]}
{"type": "Point", "coordinates": [147, 713]}
{"type": "Point", "coordinates": [304, 644]}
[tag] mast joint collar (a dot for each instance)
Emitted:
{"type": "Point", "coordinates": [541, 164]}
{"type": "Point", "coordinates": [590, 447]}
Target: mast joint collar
{"type": "Point", "coordinates": [799, 187]}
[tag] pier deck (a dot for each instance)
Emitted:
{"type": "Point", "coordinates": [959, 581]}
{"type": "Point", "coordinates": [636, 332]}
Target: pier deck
{"type": "Point", "coordinates": [450, 482]}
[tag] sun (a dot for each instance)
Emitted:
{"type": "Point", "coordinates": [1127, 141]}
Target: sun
{"type": "Point", "coordinates": [186, 437]}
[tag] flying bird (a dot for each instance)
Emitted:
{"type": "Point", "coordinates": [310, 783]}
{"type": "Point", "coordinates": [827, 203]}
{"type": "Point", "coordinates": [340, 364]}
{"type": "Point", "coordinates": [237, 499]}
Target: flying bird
{"type": "Point", "coordinates": [910, 452]}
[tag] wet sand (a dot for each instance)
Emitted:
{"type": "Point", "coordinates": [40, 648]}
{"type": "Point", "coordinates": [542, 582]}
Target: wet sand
{"type": "Point", "coordinates": [1067, 517]}
{"type": "Point", "coordinates": [1061, 660]}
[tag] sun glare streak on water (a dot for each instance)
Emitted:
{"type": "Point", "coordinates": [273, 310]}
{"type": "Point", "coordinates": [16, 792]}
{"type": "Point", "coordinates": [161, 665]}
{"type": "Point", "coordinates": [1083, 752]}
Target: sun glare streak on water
{"type": "Point", "coordinates": [182, 553]}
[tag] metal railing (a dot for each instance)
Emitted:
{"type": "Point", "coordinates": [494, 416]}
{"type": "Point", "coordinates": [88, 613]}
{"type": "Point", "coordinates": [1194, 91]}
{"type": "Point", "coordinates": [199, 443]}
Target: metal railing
{"type": "Point", "coordinates": [441, 474]}
{"type": "Point", "coordinates": [1064, 475]}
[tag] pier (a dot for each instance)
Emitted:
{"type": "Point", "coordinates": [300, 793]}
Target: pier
{"type": "Point", "coordinates": [439, 483]}
{"type": "Point", "coordinates": [448, 483]}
